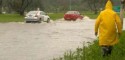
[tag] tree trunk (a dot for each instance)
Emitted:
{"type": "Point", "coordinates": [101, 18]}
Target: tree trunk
{"type": "Point", "coordinates": [21, 13]}
{"type": "Point", "coordinates": [122, 11]}
{"type": "Point", "coordinates": [0, 9]}
{"type": "Point", "coordinates": [95, 8]}
{"type": "Point", "coordinates": [0, 6]}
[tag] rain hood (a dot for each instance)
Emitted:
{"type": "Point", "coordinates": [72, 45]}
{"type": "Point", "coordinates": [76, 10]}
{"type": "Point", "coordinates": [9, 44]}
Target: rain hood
{"type": "Point", "coordinates": [107, 24]}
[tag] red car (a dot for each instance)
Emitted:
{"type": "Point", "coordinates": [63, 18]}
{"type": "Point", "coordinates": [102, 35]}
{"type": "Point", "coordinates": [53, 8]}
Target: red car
{"type": "Point", "coordinates": [72, 15]}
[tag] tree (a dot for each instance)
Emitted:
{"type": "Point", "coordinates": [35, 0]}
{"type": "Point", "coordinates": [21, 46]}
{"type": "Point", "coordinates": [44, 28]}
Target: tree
{"type": "Point", "coordinates": [37, 4]}
{"type": "Point", "coordinates": [93, 5]}
{"type": "Point", "coordinates": [1, 6]}
{"type": "Point", "coordinates": [19, 5]}
{"type": "Point", "coordinates": [122, 10]}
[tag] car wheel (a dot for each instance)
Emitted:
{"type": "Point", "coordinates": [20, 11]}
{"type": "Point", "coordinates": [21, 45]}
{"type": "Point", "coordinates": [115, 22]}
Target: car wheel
{"type": "Point", "coordinates": [65, 19]}
{"type": "Point", "coordinates": [74, 19]}
{"type": "Point", "coordinates": [27, 21]}
{"type": "Point", "coordinates": [39, 21]}
{"type": "Point", "coordinates": [48, 20]}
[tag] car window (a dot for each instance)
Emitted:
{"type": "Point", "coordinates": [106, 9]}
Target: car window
{"type": "Point", "coordinates": [70, 12]}
{"type": "Point", "coordinates": [78, 13]}
{"type": "Point", "coordinates": [32, 12]}
{"type": "Point", "coordinates": [75, 13]}
{"type": "Point", "coordinates": [42, 13]}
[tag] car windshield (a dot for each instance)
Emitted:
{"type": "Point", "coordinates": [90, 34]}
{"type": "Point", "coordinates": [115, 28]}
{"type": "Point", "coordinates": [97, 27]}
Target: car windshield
{"type": "Point", "coordinates": [72, 12]}
{"type": "Point", "coordinates": [42, 13]}
{"type": "Point", "coordinates": [32, 12]}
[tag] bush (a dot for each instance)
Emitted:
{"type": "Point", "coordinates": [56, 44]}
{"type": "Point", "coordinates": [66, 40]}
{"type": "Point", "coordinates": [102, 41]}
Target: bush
{"type": "Point", "coordinates": [93, 52]}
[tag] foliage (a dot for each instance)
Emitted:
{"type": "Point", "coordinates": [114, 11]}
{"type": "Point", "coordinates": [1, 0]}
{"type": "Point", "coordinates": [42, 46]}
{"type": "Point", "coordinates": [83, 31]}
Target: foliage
{"type": "Point", "coordinates": [93, 52]}
{"type": "Point", "coordinates": [21, 6]}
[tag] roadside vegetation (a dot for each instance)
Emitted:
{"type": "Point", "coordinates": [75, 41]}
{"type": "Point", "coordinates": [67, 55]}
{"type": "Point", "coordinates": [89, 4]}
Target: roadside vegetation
{"type": "Point", "coordinates": [53, 16]}
{"type": "Point", "coordinates": [90, 14]}
{"type": "Point", "coordinates": [93, 52]}
{"type": "Point", "coordinates": [11, 18]}
{"type": "Point", "coordinates": [18, 18]}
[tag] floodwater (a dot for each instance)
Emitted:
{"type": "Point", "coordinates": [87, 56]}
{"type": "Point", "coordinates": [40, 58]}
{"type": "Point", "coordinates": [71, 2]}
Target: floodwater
{"type": "Point", "coordinates": [44, 41]}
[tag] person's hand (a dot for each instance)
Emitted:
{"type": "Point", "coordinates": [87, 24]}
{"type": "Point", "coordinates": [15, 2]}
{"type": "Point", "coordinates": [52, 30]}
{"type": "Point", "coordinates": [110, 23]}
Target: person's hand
{"type": "Point", "coordinates": [96, 33]}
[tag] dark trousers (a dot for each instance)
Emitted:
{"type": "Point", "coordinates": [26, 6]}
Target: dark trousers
{"type": "Point", "coordinates": [106, 50]}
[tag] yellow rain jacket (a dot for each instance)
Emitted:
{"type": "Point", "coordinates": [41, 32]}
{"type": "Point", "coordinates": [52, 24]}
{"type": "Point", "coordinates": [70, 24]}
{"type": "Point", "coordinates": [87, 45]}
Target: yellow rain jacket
{"type": "Point", "coordinates": [108, 23]}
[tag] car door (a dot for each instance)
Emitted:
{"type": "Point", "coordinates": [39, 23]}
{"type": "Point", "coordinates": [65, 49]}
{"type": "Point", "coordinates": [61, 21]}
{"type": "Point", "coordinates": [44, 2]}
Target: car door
{"type": "Point", "coordinates": [41, 16]}
{"type": "Point", "coordinates": [44, 16]}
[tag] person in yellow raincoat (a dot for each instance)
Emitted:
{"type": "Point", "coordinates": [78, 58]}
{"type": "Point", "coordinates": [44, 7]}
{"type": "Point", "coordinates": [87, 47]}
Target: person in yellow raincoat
{"type": "Point", "coordinates": [108, 25]}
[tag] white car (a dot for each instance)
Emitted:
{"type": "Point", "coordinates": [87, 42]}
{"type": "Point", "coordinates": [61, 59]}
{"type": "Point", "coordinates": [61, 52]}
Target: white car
{"type": "Point", "coordinates": [37, 16]}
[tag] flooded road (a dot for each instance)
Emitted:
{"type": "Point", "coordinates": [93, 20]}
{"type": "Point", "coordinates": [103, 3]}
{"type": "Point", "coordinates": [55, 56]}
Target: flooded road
{"type": "Point", "coordinates": [32, 41]}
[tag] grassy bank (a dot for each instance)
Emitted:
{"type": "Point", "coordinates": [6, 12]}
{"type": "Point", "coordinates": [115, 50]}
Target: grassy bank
{"type": "Point", "coordinates": [93, 52]}
{"type": "Point", "coordinates": [89, 14]}
{"type": "Point", "coordinates": [18, 18]}
{"type": "Point", "coordinates": [55, 16]}
{"type": "Point", "coordinates": [11, 18]}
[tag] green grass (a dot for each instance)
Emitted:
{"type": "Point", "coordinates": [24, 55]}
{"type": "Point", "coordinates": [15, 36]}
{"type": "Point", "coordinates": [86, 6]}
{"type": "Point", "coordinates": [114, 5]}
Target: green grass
{"type": "Point", "coordinates": [55, 16]}
{"type": "Point", "coordinates": [92, 16]}
{"type": "Point", "coordinates": [11, 18]}
{"type": "Point", "coordinates": [89, 14]}
{"type": "Point", "coordinates": [93, 52]}
{"type": "Point", "coordinates": [18, 18]}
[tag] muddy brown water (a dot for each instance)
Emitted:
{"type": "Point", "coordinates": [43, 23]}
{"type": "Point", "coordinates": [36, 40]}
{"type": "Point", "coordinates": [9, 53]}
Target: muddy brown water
{"type": "Point", "coordinates": [44, 41]}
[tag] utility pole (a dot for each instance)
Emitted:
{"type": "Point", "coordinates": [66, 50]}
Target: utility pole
{"type": "Point", "coordinates": [122, 11]}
